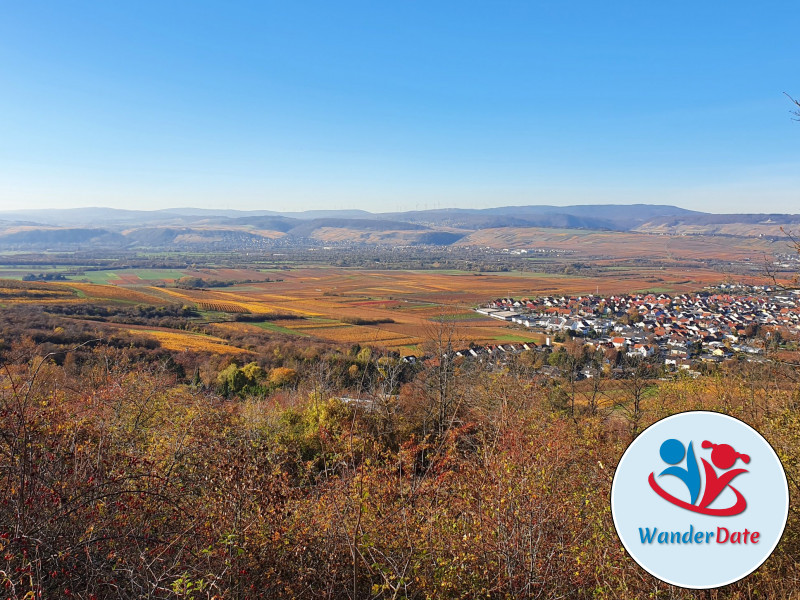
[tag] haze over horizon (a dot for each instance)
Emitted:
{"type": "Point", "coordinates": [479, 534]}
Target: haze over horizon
{"type": "Point", "coordinates": [397, 107]}
{"type": "Point", "coordinates": [96, 211]}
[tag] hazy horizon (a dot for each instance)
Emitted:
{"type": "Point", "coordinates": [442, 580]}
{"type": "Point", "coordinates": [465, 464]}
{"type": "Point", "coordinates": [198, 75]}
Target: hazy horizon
{"type": "Point", "coordinates": [431, 207]}
{"type": "Point", "coordinates": [398, 107]}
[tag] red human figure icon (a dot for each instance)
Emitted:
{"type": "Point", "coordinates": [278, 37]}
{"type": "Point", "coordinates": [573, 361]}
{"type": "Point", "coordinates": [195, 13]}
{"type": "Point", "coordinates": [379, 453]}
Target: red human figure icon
{"type": "Point", "coordinates": [724, 457]}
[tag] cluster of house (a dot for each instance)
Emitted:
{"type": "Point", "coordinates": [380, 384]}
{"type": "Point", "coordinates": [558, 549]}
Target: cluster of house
{"type": "Point", "coordinates": [680, 330]}
{"type": "Point", "coordinates": [490, 352]}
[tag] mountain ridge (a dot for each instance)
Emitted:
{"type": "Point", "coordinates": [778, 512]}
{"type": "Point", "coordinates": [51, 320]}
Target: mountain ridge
{"type": "Point", "coordinates": [135, 229]}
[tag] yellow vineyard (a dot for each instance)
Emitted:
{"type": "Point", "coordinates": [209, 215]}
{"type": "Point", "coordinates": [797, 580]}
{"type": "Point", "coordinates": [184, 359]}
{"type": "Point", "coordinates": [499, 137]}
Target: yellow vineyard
{"type": "Point", "coordinates": [228, 307]}
{"type": "Point", "coordinates": [182, 341]}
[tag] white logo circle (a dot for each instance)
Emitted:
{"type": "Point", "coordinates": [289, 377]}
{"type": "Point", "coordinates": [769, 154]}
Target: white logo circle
{"type": "Point", "coordinates": [699, 499]}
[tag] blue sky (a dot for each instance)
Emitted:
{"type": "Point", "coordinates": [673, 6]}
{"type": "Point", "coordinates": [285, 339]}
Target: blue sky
{"type": "Point", "coordinates": [399, 105]}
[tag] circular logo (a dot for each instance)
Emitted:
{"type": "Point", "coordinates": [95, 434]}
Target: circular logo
{"type": "Point", "coordinates": [699, 500]}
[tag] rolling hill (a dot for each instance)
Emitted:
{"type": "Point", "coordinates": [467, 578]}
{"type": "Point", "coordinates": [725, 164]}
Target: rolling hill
{"type": "Point", "coordinates": [67, 229]}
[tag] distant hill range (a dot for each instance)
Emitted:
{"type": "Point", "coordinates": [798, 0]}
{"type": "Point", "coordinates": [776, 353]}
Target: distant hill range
{"type": "Point", "coordinates": [83, 228]}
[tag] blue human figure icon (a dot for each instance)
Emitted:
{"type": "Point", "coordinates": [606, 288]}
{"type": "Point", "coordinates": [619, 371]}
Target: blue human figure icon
{"type": "Point", "coordinates": [672, 452]}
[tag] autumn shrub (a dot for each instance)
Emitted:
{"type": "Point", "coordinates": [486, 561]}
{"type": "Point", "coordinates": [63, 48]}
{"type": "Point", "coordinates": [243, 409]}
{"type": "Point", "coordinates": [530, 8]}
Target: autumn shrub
{"type": "Point", "coordinates": [121, 479]}
{"type": "Point", "coordinates": [281, 376]}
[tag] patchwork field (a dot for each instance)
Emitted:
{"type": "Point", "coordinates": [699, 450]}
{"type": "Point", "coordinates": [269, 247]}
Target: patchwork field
{"type": "Point", "coordinates": [392, 309]}
{"type": "Point", "coordinates": [400, 309]}
{"type": "Point", "coordinates": [12, 291]}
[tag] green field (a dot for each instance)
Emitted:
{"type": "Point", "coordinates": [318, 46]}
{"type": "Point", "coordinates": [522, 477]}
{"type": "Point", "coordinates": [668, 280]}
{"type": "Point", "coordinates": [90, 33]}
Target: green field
{"type": "Point", "coordinates": [114, 276]}
{"type": "Point", "coordinates": [321, 320]}
{"type": "Point", "coordinates": [98, 277]}
{"type": "Point", "coordinates": [518, 338]}
{"type": "Point", "coordinates": [152, 274]}
{"type": "Point", "coordinates": [279, 329]}
{"type": "Point", "coordinates": [466, 316]}
{"type": "Point", "coordinates": [16, 272]}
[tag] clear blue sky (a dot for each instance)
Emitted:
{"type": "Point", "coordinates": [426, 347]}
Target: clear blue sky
{"type": "Point", "coordinates": [388, 105]}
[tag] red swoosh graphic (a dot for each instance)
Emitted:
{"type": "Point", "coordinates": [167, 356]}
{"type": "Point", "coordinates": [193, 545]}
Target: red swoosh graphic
{"type": "Point", "coordinates": [737, 508]}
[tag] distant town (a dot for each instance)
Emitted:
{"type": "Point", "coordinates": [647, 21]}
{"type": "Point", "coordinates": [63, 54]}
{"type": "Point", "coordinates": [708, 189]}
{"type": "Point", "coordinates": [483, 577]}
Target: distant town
{"type": "Point", "coordinates": [721, 323]}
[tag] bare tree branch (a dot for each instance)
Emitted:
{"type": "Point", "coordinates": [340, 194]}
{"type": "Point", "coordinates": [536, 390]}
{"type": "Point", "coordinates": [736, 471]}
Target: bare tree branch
{"type": "Point", "coordinates": [796, 113]}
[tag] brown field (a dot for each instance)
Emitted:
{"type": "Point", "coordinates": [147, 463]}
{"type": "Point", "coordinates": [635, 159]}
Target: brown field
{"type": "Point", "coordinates": [230, 274]}
{"type": "Point", "coordinates": [737, 229]}
{"type": "Point", "coordinates": [628, 245]}
{"type": "Point", "coordinates": [125, 278]}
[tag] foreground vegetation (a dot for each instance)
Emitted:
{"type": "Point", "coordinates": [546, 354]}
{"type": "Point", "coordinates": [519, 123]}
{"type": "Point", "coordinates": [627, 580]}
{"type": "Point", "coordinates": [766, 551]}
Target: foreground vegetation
{"type": "Point", "coordinates": [267, 440]}
{"type": "Point", "coordinates": [132, 472]}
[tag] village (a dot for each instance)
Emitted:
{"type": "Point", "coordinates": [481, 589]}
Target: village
{"type": "Point", "coordinates": [724, 323]}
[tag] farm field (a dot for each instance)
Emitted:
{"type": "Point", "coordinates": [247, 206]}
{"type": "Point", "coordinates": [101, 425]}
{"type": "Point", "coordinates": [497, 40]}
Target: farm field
{"type": "Point", "coordinates": [134, 276]}
{"type": "Point", "coordinates": [16, 292]}
{"type": "Point", "coordinates": [178, 341]}
{"type": "Point", "coordinates": [589, 243]}
{"type": "Point", "coordinates": [392, 309]}
{"type": "Point", "coordinates": [101, 277]}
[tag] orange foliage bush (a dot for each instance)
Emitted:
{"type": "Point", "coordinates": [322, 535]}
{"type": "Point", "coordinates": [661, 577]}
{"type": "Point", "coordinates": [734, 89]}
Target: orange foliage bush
{"type": "Point", "coordinates": [280, 376]}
